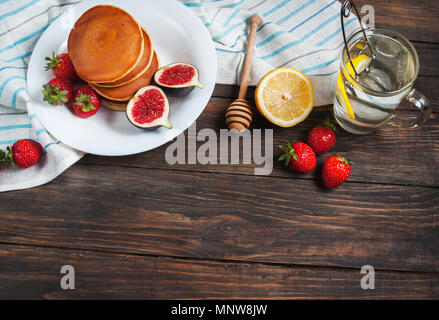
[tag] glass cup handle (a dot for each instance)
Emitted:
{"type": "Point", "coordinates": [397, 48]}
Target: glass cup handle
{"type": "Point", "coordinates": [422, 103]}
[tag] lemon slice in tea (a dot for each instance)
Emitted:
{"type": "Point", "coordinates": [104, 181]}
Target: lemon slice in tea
{"type": "Point", "coordinates": [360, 63]}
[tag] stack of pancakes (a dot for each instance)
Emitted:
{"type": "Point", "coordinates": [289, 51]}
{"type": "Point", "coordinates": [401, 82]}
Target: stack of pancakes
{"type": "Point", "coordinates": [113, 53]}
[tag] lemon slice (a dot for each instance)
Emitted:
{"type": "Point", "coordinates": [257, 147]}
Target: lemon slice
{"type": "Point", "coordinates": [285, 97]}
{"type": "Point", "coordinates": [342, 89]}
{"type": "Point", "coordinates": [360, 63]}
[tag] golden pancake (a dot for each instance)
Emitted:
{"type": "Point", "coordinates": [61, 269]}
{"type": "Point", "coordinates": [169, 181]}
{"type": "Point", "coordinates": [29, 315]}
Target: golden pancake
{"type": "Point", "coordinates": [105, 44]}
{"type": "Point", "coordinates": [127, 91]}
{"type": "Point", "coordinates": [138, 70]}
{"type": "Point", "coordinates": [114, 105]}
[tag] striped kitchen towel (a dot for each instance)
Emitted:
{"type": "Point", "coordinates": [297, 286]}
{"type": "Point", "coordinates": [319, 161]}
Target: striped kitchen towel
{"type": "Point", "coordinates": [21, 24]}
{"type": "Point", "coordinates": [303, 34]}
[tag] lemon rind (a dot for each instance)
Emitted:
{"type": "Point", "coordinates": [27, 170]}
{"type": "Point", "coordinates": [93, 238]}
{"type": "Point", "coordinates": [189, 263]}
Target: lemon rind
{"type": "Point", "coordinates": [268, 115]}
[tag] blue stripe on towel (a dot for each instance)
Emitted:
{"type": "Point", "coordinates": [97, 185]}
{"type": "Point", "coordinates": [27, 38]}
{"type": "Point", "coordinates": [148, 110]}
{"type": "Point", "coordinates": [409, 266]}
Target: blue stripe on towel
{"type": "Point", "coordinates": [246, 33]}
{"type": "Point", "coordinates": [320, 66]}
{"type": "Point", "coordinates": [16, 126]}
{"type": "Point", "coordinates": [2, 87]}
{"type": "Point", "coordinates": [192, 5]}
{"type": "Point", "coordinates": [19, 57]}
{"type": "Point", "coordinates": [323, 74]}
{"type": "Point", "coordinates": [235, 4]}
{"type": "Point", "coordinates": [314, 15]}
{"type": "Point", "coordinates": [295, 12]}
{"type": "Point", "coordinates": [230, 29]}
{"type": "Point", "coordinates": [309, 34]}
{"type": "Point", "coordinates": [8, 141]}
{"type": "Point", "coordinates": [233, 27]}
{"type": "Point", "coordinates": [14, 97]}
{"type": "Point", "coordinates": [11, 13]}
{"type": "Point", "coordinates": [40, 131]}
{"type": "Point", "coordinates": [51, 144]}
{"type": "Point", "coordinates": [335, 33]}
{"type": "Point", "coordinates": [12, 67]}
{"type": "Point", "coordinates": [229, 51]}
{"type": "Point", "coordinates": [230, 18]}
{"type": "Point", "coordinates": [280, 5]}
{"type": "Point", "coordinates": [33, 34]}
{"type": "Point", "coordinates": [276, 34]}
{"type": "Point", "coordinates": [15, 140]}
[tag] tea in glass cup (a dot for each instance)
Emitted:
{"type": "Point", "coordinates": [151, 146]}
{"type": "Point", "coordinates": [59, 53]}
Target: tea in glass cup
{"type": "Point", "coordinates": [375, 75]}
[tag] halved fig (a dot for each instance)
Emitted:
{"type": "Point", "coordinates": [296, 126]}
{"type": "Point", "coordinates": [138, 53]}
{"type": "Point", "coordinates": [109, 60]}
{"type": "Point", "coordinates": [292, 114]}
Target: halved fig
{"type": "Point", "coordinates": [149, 108]}
{"type": "Point", "coordinates": [178, 79]}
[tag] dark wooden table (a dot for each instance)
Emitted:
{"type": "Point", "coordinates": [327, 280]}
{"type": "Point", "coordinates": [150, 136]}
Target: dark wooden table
{"type": "Point", "coordinates": [136, 227]}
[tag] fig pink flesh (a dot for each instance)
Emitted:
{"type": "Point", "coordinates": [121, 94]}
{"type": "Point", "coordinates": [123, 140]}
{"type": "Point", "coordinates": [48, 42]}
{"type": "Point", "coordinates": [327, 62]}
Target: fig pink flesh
{"type": "Point", "coordinates": [149, 106]}
{"type": "Point", "coordinates": [177, 75]}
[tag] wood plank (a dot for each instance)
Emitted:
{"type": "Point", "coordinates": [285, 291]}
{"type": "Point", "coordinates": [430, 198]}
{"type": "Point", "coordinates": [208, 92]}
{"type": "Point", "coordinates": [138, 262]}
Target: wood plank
{"type": "Point", "coordinates": [234, 217]}
{"type": "Point", "coordinates": [392, 155]}
{"type": "Point", "coordinates": [417, 20]}
{"type": "Point", "coordinates": [34, 273]}
{"type": "Point", "coordinates": [427, 58]}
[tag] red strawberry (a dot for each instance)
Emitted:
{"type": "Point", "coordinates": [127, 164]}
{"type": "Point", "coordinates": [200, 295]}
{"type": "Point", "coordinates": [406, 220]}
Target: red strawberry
{"type": "Point", "coordinates": [24, 153]}
{"type": "Point", "coordinates": [300, 157]}
{"type": "Point", "coordinates": [57, 91]}
{"type": "Point", "coordinates": [85, 101]}
{"type": "Point", "coordinates": [61, 66]}
{"type": "Point", "coordinates": [322, 138]}
{"type": "Point", "coordinates": [336, 170]}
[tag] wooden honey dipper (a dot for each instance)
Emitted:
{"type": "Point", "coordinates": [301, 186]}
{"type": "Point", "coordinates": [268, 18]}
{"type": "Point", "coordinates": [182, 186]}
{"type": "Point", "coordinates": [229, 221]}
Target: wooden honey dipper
{"type": "Point", "coordinates": [239, 114]}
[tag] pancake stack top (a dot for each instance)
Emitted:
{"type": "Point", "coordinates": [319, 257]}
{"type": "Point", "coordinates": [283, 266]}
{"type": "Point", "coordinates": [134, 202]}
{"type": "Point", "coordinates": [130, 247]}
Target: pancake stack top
{"type": "Point", "coordinates": [113, 53]}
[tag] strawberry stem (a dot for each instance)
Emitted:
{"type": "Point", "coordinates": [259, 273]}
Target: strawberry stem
{"type": "Point", "coordinates": [6, 157]}
{"type": "Point", "coordinates": [288, 153]}
{"type": "Point", "coordinates": [84, 102]}
{"type": "Point", "coordinates": [53, 95]}
{"type": "Point", "coordinates": [345, 160]}
{"type": "Point", "coordinates": [327, 123]}
{"type": "Point", "coordinates": [52, 62]}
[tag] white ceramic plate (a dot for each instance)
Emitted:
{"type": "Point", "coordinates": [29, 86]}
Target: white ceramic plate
{"type": "Point", "coordinates": [178, 36]}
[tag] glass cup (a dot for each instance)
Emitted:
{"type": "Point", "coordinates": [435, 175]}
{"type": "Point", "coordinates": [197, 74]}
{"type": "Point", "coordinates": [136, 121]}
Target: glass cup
{"type": "Point", "coordinates": [373, 83]}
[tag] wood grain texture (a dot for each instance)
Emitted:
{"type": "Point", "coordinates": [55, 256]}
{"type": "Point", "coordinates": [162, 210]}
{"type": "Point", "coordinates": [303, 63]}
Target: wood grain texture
{"type": "Point", "coordinates": [392, 155]}
{"type": "Point", "coordinates": [218, 216]}
{"type": "Point", "coordinates": [110, 276]}
{"type": "Point", "coordinates": [160, 231]}
{"type": "Point", "coordinates": [417, 20]}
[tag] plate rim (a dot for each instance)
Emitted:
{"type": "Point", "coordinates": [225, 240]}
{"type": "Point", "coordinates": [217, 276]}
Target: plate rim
{"type": "Point", "coordinates": [213, 70]}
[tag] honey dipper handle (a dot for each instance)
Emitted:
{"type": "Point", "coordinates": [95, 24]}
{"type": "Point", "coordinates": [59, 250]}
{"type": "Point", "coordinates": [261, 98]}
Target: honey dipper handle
{"type": "Point", "coordinates": [255, 21]}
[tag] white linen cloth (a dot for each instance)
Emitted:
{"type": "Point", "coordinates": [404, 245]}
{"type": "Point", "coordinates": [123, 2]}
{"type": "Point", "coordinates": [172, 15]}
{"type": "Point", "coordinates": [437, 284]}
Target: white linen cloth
{"type": "Point", "coordinates": [304, 34]}
{"type": "Point", "coordinates": [21, 24]}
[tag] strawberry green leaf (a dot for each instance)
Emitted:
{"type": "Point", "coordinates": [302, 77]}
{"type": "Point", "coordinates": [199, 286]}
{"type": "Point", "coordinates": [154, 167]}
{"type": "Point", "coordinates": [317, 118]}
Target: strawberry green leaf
{"type": "Point", "coordinates": [327, 123]}
{"type": "Point", "coordinates": [52, 61]}
{"type": "Point", "coordinates": [6, 157]}
{"type": "Point", "coordinates": [53, 95]}
{"type": "Point", "coordinates": [294, 156]}
{"type": "Point", "coordinates": [84, 102]}
{"type": "Point", "coordinates": [288, 153]}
